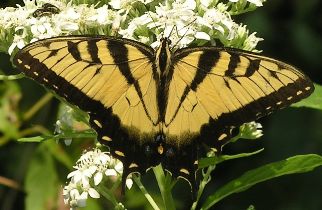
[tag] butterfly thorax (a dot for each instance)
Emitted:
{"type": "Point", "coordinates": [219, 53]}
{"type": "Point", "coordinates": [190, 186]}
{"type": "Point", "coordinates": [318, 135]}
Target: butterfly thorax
{"type": "Point", "coordinates": [163, 57]}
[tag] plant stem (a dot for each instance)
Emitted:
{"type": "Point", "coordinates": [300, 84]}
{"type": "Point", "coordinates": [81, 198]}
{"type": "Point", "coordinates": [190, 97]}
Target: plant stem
{"type": "Point", "coordinates": [108, 195]}
{"type": "Point", "coordinates": [202, 185]}
{"type": "Point", "coordinates": [165, 188]}
{"type": "Point", "coordinates": [10, 183]}
{"type": "Point", "coordinates": [145, 192]}
{"type": "Point", "coordinates": [34, 130]}
{"type": "Point", "coordinates": [11, 77]}
{"type": "Point", "coordinates": [38, 105]}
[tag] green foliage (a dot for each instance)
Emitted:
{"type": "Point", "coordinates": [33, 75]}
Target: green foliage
{"type": "Point", "coordinates": [9, 98]}
{"type": "Point", "coordinates": [71, 134]}
{"type": "Point", "coordinates": [205, 162]}
{"type": "Point", "coordinates": [60, 155]}
{"type": "Point", "coordinates": [166, 184]}
{"type": "Point", "coordinates": [92, 205]}
{"type": "Point", "coordinates": [292, 165]}
{"type": "Point", "coordinates": [42, 185]}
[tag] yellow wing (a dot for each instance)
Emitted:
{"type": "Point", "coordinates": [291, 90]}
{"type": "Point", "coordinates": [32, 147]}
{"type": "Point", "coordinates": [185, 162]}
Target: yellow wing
{"type": "Point", "coordinates": [111, 79]}
{"type": "Point", "coordinates": [213, 89]}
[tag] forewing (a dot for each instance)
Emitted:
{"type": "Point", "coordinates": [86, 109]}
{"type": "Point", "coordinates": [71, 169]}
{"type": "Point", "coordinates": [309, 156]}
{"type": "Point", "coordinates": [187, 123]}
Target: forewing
{"type": "Point", "coordinates": [111, 79]}
{"type": "Point", "coordinates": [214, 89]}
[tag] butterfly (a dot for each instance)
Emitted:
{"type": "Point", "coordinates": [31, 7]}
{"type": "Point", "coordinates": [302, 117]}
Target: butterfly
{"type": "Point", "coordinates": [155, 107]}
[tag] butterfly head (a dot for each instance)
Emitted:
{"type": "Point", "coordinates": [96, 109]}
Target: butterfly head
{"type": "Point", "coordinates": [165, 42]}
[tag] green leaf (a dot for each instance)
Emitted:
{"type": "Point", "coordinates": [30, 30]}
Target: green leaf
{"type": "Point", "coordinates": [41, 184]}
{"type": "Point", "coordinates": [33, 139]}
{"type": "Point", "coordinates": [314, 101]}
{"type": "Point", "coordinates": [11, 77]}
{"type": "Point", "coordinates": [205, 162]}
{"type": "Point", "coordinates": [68, 135]}
{"type": "Point", "coordinates": [166, 184]}
{"type": "Point", "coordinates": [292, 165]}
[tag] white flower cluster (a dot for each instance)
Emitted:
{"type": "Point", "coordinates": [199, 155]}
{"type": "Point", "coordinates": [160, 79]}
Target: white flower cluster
{"type": "Point", "coordinates": [183, 21]}
{"type": "Point", "coordinates": [190, 21]}
{"type": "Point", "coordinates": [89, 173]}
{"type": "Point", "coordinates": [72, 19]}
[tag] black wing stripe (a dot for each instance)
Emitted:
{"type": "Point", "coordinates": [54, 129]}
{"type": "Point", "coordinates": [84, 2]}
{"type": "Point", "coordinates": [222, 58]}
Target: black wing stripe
{"type": "Point", "coordinates": [93, 51]}
{"type": "Point", "coordinates": [119, 53]}
{"type": "Point", "coordinates": [252, 67]}
{"type": "Point", "coordinates": [73, 49]}
{"type": "Point", "coordinates": [207, 61]}
{"type": "Point", "coordinates": [233, 63]}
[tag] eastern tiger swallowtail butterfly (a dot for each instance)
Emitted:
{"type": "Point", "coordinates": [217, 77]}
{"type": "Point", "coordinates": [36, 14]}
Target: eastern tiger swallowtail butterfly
{"type": "Point", "coordinates": [158, 106]}
{"type": "Point", "coordinates": [46, 10]}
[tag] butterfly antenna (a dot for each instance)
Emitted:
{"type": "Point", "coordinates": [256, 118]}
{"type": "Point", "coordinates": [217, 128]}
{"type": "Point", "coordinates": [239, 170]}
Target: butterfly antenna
{"type": "Point", "coordinates": [172, 31]}
{"type": "Point", "coordinates": [148, 12]}
{"type": "Point", "coordinates": [163, 32]}
{"type": "Point", "coordinates": [188, 25]}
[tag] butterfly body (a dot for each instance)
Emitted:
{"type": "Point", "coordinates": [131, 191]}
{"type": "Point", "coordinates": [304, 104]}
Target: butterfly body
{"type": "Point", "coordinates": [158, 106]}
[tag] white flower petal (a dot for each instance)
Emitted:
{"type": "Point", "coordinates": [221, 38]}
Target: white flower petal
{"type": "Point", "coordinates": [68, 26]}
{"type": "Point", "coordinates": [110, 172]}
{"type": "Point", "coordinates": [93, 193]}
{"type": "Point", "coordinates": [73, 174]}
{"type": "Point", "coordinates": [202, 35]}
{"type": "Point", "coordinates": [189, 4]}
{"type": "Point", "coordinates": [34, 40]}
{"type": "Point", "coordinates": [85, 181]}
{"type": "Point", "coordinates": [119, 167]}
{"type": "Point", "coordinates": [68, 142]}
{"type": "Point", "coordinates": [129, 183]}
{"type": "Point", "coordinates": [98, 178]}
{"type": "Point", "coordinates": [74, 193]}
{"type": "Point", "coordinates": [205, 3]}
{"type": "Point", "coordinates": [81, 200]}
{"type": "Point", "coordinates": [91, 170]}
{"type": "Point", "coordinates": [11, 48]}
{"type": "Point", "coordinates": [258, 3]}
{"type": "Point", "coordinates": [41, 29]}
{"type": "Point", "coordinates": [34, 29]}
